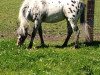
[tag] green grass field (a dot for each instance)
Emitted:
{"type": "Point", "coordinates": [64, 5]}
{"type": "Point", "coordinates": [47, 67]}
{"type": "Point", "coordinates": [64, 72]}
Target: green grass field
{"type": "Point", "coordinates": [52, 60]}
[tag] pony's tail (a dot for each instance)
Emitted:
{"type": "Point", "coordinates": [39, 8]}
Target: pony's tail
{"type": "Point", "coordinates": [82, 16]}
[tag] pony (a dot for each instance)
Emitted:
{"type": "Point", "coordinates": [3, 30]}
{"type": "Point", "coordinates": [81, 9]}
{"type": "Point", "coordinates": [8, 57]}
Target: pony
{"type": "Point", "coordinates": [49, 11]}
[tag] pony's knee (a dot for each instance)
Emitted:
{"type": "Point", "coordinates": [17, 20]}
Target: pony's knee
{"type": "Point", "coordinates": [74, 27]}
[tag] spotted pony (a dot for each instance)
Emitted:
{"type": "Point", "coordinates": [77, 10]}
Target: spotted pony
{"type": "Point", "coordinates": [49, 11]}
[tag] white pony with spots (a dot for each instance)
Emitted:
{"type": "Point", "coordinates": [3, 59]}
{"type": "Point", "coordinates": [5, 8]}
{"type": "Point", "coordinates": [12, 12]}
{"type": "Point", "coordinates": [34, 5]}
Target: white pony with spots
{"type": "Point", "coordinates": [49, 11]}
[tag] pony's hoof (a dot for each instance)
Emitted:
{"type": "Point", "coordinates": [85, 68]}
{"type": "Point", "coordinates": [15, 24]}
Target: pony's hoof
{"type": "Point", "coordinates": [63, 46]}
{"type": "Point", "coordinates": [76, 46]}
{"type": "Point", "coordinates": [43, 46]}
{"type": "Point", "coordinates": [29, 47]}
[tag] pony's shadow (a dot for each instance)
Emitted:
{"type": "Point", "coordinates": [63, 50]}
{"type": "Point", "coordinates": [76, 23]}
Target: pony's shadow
{"type": "Point", "coordinates": [94, 43]}
{"type": "Point", "coordinates": [42, 46]}
{"type": "Point", "coordinates": [86, 44]}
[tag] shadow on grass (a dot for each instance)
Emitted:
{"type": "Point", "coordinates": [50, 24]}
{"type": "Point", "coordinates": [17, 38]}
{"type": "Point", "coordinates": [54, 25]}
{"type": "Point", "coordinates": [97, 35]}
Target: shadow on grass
{"type": "Point", "coordinates": [86, 44]}
{"type": "Point", "coordinates": [95, 44]}
{"type": "Point", "coordinates": [43, 46]}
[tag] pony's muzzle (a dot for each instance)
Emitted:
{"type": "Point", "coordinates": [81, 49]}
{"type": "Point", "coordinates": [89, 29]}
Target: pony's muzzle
{"type": "Point", "coordinates": [21, 40]}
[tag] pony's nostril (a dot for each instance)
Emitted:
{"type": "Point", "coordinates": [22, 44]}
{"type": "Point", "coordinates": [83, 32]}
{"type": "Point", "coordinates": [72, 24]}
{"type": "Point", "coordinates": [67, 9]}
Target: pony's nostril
{"type": "Point", "coordinates": [20, 39]}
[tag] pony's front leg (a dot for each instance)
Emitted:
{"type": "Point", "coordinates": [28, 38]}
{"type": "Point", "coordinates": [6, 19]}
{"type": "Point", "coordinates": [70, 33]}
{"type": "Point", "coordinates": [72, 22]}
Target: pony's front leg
{"type": "Point", "coordinates": [35, 28]}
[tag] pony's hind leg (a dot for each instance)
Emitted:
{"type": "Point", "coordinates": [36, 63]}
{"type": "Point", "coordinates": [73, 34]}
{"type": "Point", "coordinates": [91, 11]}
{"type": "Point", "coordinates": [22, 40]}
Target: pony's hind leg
{"type": "Point", "coordinates": [69, 33]}
{"type": "Point", "coordinates": [41, 36]}
{"type": "Point", "coordinates": [77, 32]}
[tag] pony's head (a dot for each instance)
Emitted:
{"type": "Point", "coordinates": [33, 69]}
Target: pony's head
{"type": "Point", "coordinates": [22, 35]}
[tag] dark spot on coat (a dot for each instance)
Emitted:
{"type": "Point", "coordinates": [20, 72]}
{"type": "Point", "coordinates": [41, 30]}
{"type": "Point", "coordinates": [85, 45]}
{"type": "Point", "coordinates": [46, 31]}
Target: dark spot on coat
{"type": "Point", "coordinates": [59, 2]}
{"type": "Point", "coordinates": [73, 5]}
{"type": "Point", "coordinates": [73, 10]}
{"type": "Point", "coordinates": [67, 4]}
{"type": "Point", "coordinates": [73, 1]}
{"type": "Point", "coordinates": [43, 2]}
{"type": "Point", "coordinates": [73, 15]}
{"type": "Point", "coordinates": [76, 8]}
{"type": "Point", "coordinates": [70, 10]}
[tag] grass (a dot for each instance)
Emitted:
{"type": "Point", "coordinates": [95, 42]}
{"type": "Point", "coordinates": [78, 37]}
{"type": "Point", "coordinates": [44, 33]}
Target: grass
{"type": "Point", "coordinates": [48, 61]}
{"type": "Point", "coordinates": [45, 61]}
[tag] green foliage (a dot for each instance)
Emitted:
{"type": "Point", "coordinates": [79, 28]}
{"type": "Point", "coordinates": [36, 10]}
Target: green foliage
{"type": "Point", "coordinates": [48, 61]}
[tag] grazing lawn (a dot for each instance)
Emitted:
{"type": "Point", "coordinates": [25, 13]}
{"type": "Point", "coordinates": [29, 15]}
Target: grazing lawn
{"type": "Point", "coordinates": [51, 60]}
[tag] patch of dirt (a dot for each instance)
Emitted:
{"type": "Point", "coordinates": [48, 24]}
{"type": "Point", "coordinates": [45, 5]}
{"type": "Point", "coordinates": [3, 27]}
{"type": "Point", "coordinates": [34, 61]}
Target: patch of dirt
{"type": "Point", "coordinates": [51, 37]}
{"type": "Point", "coordinates": [63, 37]}
{"type": "Point", "coordinates": [97, 36]}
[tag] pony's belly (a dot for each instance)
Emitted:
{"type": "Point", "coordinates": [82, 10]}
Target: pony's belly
{"type": "Point", "coordinates": [54, 18]}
